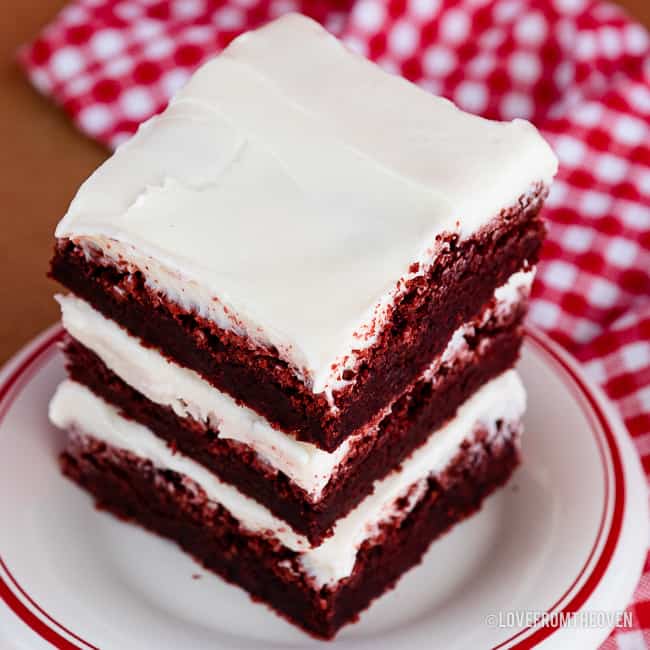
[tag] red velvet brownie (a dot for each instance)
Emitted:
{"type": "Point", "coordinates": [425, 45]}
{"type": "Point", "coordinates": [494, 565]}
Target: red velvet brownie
{"type": "Point", "coordinates": [309, 494]}
{"type": "Point", "coordinates": [423, 317]}
{"type": "Point", "coordinates": [294, 310]}
{"type": "Point", "coordinates": [132, 473]}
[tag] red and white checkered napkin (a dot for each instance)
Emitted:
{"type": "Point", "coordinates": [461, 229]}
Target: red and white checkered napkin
{"type": "Point", "coordinates": [579, 69]}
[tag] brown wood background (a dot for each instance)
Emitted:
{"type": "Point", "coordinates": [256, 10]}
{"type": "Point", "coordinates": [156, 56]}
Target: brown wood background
{"type": "Point", "coordinates": [43, 160]}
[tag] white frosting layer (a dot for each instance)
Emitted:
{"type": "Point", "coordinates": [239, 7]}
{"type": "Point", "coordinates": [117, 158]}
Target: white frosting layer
{"type": "Point", "coordinates": [74, 406]}
{"type": "Point", "coordinates": [189, 395]}
{"type": "Point", "coordinates": [290, 185]}
{"type": "Point", "coordinates": [504, 398]}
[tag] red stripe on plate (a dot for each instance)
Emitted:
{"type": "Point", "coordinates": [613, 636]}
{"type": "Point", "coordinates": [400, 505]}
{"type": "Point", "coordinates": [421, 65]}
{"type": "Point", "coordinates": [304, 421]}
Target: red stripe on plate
{"type": "Point", "coordinates": [43, 628]}
{"type": "Point", "coordinates": [614, 533]}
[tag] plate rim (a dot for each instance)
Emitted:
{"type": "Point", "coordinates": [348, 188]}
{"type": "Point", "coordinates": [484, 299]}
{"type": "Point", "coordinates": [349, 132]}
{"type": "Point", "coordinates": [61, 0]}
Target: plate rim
{"type": "Point", "coordinates": [18, 370]}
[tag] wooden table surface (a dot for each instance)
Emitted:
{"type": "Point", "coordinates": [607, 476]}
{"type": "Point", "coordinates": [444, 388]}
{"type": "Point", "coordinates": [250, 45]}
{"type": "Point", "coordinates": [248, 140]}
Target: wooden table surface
{"type": "Point", "coordinates": [43, 161]}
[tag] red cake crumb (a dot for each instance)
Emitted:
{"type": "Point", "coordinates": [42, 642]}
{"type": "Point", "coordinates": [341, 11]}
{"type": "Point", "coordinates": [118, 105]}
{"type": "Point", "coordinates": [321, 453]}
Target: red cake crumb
{"type": "Point", "coordinates": [454, 290]}
{"type": "Point", "coordinates": [165, 503]}
{"type": "Point", "coordinates": [412, 419]}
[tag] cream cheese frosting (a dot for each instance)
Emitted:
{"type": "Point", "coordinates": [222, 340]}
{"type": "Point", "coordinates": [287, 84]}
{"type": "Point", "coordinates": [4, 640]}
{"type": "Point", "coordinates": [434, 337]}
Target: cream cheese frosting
{"type": "Point", "coordinates": [189, 395]}
{"type": "Point", "coordinates": [290, 186]}
{"type": "Point", "coordinates": [503, 398]}
{"type": "Point", "coordinates": [75, 407]}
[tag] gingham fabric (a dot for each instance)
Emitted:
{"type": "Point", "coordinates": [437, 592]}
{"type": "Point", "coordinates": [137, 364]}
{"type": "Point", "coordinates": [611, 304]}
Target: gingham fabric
{"type": "Point", "coordinates": [580, 70]}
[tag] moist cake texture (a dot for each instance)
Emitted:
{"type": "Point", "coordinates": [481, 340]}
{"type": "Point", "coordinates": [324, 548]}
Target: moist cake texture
{"type": "Point", "coordinates": [463, 278]}
{"type": "Point", "coordinates": [296, 301]}
{"type": "Point", "coordinates": [300, 483]}
{"type": "Point", "coordinates": [76, 408]}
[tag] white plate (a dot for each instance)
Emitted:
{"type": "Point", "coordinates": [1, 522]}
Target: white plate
{"type": "Point", "coordinates": [568, 533]}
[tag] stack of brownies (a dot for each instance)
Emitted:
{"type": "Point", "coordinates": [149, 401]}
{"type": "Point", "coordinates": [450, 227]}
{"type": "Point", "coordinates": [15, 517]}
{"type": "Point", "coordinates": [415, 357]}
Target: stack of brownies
{"type": "Point", "coordinates": [296, 301]}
